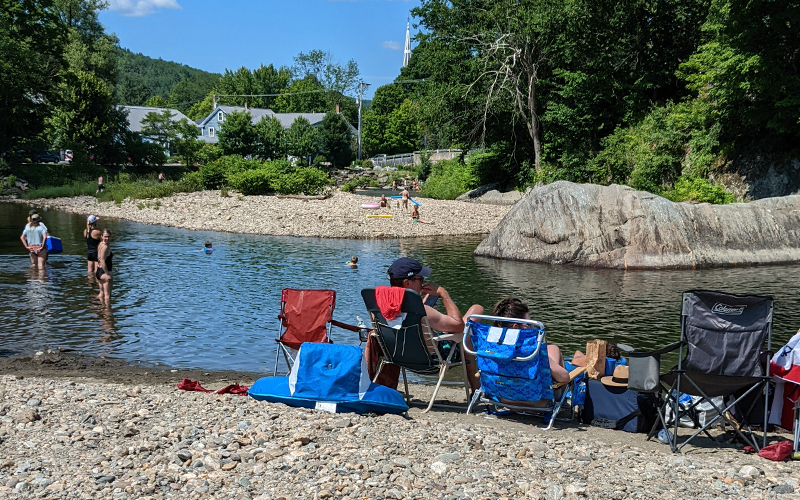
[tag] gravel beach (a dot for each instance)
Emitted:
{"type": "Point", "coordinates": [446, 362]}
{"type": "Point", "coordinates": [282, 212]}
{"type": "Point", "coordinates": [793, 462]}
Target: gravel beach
{"type": "Point", "coordinates": [67, 436]}
{"type": "Point", "coordinates": [338, 216]}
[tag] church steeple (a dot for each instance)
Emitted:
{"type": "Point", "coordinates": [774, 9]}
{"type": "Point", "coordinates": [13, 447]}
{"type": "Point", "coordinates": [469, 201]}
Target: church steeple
{"type": "Point", "coordinates": [407, 49]}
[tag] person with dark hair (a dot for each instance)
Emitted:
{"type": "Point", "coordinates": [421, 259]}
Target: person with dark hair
{"type": "Point", "coordinates": [514, 308]}
{"type": "Point", "coordinates": [408, 273]}
{"type": "Point", "coordinates": [92, 236]}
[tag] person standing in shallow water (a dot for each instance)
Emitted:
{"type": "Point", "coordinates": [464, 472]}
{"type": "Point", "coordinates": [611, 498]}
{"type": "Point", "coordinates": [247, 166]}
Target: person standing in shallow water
{"type": "Point", "coordinates": [34, 237]}
{"type": "Point", "coordinates": [104, 267]}
{"type": "Point", "coordinates": [92, 236]}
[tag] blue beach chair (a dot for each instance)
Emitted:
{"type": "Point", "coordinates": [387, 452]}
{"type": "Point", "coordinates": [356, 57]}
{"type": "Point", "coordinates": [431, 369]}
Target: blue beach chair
{"type": "Point", "coordinates": [515, 370]}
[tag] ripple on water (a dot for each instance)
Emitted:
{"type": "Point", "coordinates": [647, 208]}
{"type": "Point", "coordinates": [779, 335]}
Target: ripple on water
{"type": "Point", "coordinates": [174, 305]}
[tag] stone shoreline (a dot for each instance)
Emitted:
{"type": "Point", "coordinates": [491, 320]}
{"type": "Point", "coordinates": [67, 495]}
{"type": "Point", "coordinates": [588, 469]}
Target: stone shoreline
{"type": "Point", "coordinates": [338, 216]}
{"type": "Point", "coordinates": [72, 437]}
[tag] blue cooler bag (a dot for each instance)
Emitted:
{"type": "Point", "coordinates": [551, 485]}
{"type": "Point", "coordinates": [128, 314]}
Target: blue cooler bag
{"type": "Point", "coordinates": [618, 408]}
{"type": "Point", "coordinates": [53, 245]}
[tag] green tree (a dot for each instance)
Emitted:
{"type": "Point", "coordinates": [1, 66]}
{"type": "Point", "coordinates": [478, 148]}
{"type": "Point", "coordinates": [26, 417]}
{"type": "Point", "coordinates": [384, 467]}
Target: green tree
{"type": "Point", "coordinates": [749, 66]}
{"type": "Point", "coordinates": [302, 139]}
{"type": "Point", "coordinates": [237, 135]}
{"type": "Point", "coordinates": [306, 95]}
{"type": "Point", "coordinates": [402, 133]}
{"type": "Point", "coordinates": [186, 142]}
{"type": "Point", "coordinates": [32, 40]}
{"type": "Point", "coordinates": [156, 102]}
{"type": "Point", "coordinates": [85, 118]}
{"type": "Point", "coordinates": [263, 80]}
{"type": "Point", "coordinates": [336, 139]}
{"type": "Point", "coordinates": [200, 110]}
{"type": "Point", "coordinates": [269, 139]}
{"type": "Point", "coordinates": [191, 90]}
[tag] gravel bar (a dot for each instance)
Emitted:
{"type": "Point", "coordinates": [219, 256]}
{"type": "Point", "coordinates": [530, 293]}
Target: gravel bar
{"type": "Point", "coordinates": [85, 438]}
{"type": "Point", "coordinates": [338, 216]}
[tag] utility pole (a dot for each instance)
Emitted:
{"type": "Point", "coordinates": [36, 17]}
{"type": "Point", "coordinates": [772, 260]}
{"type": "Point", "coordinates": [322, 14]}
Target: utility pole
{"type": "Point", "coordinates": [361, 87]}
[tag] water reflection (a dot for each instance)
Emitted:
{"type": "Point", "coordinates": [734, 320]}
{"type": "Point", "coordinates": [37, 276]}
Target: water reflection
{"type": "Point", "coordinates": [174, 305]}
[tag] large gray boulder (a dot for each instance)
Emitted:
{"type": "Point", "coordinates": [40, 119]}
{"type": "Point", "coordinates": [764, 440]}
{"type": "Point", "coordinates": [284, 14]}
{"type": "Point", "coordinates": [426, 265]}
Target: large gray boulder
{"type": "Point", "coordinates": [619, 227]}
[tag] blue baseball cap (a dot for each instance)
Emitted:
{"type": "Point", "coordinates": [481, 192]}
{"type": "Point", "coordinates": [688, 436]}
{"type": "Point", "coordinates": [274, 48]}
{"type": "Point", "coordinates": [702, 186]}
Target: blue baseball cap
{"type": "Point", "coordinates": [406, 267]}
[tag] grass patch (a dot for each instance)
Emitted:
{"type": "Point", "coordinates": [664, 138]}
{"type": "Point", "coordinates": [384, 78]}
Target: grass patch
{"type": "Point", "coordinates": [135, 189]}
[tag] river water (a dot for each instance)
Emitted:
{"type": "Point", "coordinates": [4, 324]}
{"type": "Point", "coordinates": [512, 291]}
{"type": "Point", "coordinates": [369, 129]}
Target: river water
{"type": "Point", "coordinates": [173, 305]}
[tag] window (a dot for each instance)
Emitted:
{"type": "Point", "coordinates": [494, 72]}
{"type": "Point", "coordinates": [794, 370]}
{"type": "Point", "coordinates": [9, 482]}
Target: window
{"type": "Point", "coordinates": [211, 131]}
{"type": "Point", "coordinates": [220, 116]}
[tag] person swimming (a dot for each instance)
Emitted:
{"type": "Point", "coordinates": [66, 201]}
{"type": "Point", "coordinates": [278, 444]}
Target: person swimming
{"type": "Point", "coordinates": [353, 262]}
{"type": "Point", "coordinates": [207, 248]}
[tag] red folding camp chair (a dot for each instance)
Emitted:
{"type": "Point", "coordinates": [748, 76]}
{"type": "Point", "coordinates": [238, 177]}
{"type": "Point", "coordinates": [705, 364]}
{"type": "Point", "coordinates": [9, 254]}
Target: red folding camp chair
{"type": "Point", "coordinates": [306, 316]}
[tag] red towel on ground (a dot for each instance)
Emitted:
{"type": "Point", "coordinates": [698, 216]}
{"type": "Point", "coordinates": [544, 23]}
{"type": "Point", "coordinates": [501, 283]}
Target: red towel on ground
{"type": "Point", "coordinates": [194, 385]}
{"type": "Point", "coordinates": [389, 300]}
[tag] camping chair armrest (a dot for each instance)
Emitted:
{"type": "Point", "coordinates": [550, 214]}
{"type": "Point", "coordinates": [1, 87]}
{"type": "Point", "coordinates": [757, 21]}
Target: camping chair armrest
{"type": "Point", "coordinates": [344, 326]}
{"type": "Point", "coordinates": [575, 373]}
{"type": "Point", "coordinates": [629, 351]}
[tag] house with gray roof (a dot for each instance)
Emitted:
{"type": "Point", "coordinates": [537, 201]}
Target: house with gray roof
{"type": "Point", "coordinates": [209, 126]}
{"type": "Point", "coordinates": [137, 114]}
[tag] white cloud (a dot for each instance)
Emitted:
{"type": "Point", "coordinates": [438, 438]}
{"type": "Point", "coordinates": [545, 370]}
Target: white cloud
{"type": "Point", "coordinates": [139, 8]}
{"type": "Point", "coordinates": [391, 45]}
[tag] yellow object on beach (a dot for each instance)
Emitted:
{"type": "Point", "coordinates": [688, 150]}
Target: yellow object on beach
{"type": "Point", "coordinates": [377, 215]}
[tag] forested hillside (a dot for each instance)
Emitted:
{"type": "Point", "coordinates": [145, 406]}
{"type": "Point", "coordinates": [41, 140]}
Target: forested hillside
{"type": "Point", "coordinates": [141, 77]}
{"type": "Point", "coordinates": [661, 96]}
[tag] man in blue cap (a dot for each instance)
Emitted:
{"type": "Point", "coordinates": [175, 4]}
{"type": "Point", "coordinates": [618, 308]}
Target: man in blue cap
{"type": "Point", "coordinates": [408, 273]}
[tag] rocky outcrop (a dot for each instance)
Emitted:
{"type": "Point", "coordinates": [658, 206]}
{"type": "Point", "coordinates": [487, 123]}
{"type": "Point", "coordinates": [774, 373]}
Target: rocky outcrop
{"type": "Point", "coordinates": [619, 227]}
{"type": "Point", "coordinates": [489, 195]}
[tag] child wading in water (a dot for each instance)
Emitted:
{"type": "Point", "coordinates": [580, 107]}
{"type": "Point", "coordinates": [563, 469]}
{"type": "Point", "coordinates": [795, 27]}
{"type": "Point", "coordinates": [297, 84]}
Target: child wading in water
{"type": "Point", "coordinates": [353, 262]}
{"type": "Point", "coordinates": [207, 249]}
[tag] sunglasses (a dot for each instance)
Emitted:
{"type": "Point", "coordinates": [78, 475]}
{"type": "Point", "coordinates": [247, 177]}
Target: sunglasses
{"type": "Point", "coordinates": [416, 278]}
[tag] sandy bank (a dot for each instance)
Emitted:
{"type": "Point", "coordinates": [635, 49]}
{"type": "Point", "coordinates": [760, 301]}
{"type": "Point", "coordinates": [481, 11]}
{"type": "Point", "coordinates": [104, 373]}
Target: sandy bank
{"type": "Point", "coordinates": [339, 216]}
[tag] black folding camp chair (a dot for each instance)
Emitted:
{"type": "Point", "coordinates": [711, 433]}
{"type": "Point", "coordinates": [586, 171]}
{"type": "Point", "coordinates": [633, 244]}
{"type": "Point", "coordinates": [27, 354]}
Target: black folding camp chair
{"type": "Point", "coordinates": [723, 338]}
{"type": "Point", "coordinates": [409, 342]}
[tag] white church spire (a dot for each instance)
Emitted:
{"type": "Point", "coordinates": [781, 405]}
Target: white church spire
{"type": "Point", "coordinates": [407, 49]}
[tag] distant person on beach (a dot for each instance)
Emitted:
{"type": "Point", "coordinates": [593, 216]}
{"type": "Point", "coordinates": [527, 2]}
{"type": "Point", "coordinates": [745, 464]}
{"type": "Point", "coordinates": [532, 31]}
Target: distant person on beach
{"type": "Point", "coordinates": [33, 238]}
{"type": "Point", "coordinates": [384, 202]}
{"type": "Point", "coordinates": [394, 185]}
{"type": "Point", "coordinates": [100, 185]}
{"type": "Point", "coordinates": [353, 262]}
{"type": "Point", "coordinates": [92, 236]}
{"type": "Point", "coordinates": [104, 267]}
{"type": "Point", "coordinates": [207, 248]}
{"type": "Point", "coordinates": [404, 195]}
{"type": "Point", "coordinates": [415, 216]}
{"type": "Point", "coordinates": [160, 177]}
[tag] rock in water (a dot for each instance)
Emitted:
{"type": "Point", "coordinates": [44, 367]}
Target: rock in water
{"type": "Point", "coordinates": [619, 227]}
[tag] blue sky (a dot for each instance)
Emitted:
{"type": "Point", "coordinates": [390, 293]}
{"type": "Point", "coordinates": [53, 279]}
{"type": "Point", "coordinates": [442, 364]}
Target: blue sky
{"type": "Point", "coordinates": [215, 35]}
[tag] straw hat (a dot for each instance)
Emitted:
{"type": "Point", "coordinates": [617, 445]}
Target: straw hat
{"type": "Point", "coordinates": [618, 379]}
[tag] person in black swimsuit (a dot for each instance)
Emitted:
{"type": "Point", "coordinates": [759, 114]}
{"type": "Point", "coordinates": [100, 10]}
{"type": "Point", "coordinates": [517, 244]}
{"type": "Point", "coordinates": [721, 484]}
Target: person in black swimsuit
{"type": "Point", "coordinates": [104, 266]}
{"type": "Point", "coordinates": [92, 236]}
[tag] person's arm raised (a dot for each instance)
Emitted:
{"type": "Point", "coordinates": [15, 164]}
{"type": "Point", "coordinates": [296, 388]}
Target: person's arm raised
{"type": "Point", "coordinates": [450, 322]}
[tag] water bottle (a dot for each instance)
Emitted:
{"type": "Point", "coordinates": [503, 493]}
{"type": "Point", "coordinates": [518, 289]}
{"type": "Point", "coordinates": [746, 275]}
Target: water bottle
{"type": "Point", "coordinates": [363, 333]}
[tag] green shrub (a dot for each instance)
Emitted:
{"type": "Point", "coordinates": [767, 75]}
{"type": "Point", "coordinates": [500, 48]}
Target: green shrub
{"type": "Point", "coordinates": [190, 182]}
{"type": "Point", "coordinates": [11, 180]}
{"type": "Point", "coordinates": [367, 164]}
{"type": "Point", "coordinates": [450, 179]}
{"type": "Point", "coordinates": [209, 153]}
{"type": "Point", "coordinates": [86, 188]}
{"type": "Point", "coordinates": [306, 180]}
{"type": "Point", "coordinates": [700, 190]}
{"type": "Point", "coordinates": [212, 175]}
{"type": "Point", "coordinates": [348, 187]}
{"type": "Point", "coordinates": [252, 182]}
{"type": "Point", "coordinates": [57, 174]}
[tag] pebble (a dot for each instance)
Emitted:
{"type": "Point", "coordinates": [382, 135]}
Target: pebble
{"type": "Point", "coordinates": [193, 446]}
{"type": "Point", "coordinates": [338, 216]}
